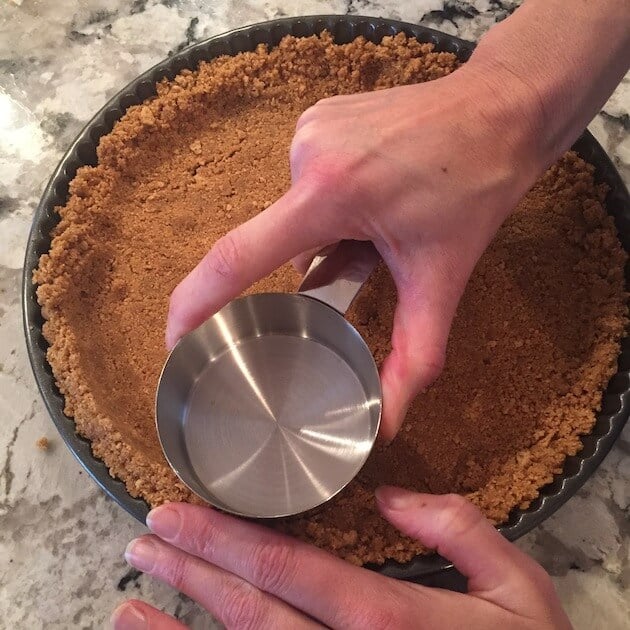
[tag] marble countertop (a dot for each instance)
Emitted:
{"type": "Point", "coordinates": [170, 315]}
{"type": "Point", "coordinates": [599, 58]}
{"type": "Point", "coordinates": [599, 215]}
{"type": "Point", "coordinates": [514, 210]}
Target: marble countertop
{"type": "Point", "coordinates": [61, 538]}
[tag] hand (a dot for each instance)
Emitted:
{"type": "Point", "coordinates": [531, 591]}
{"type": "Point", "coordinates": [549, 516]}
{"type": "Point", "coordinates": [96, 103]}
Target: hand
{"type": "Point", "coordinates": [249, 576]}
{"type": "Point", "coordinates": [427, 172]}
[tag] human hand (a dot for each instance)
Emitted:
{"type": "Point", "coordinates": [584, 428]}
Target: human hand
{"type": "Point", "coordinates": [427, 172]}
{"type": "Point", "coordinates": [249, 576]}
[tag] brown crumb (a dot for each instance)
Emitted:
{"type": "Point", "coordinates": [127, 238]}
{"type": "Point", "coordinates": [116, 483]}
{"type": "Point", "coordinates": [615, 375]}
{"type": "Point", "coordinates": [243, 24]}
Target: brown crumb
{"type": "Point", "coordinates": [532, 345]}
{"type": "Point", "coordinates": [43, 444]}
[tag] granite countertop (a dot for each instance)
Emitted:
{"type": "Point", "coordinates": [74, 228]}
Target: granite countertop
{"type": "Point", "coordinates": [61, 538]}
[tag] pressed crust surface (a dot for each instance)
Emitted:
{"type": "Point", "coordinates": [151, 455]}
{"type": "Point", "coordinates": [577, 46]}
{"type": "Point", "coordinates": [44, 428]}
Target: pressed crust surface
{"type": "Point", "coordinates": [534, 342]}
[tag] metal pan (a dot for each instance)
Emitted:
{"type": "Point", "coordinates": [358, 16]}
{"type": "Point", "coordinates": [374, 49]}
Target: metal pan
{"type": "Point", "coordinates": [430, 569]}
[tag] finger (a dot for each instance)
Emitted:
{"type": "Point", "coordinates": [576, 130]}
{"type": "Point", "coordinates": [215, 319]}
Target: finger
{"type": "Point", "coordinates": [243, 256]}
{"type": "Point", "coordinates": [334, 105]}
{"type": "Point", "coordinates": [426, 305]}
{"type": "Point", "coordinates": [232, 600]}
{"type": "Point", "coordinates": [324, 587]}
{"type": "Point", "coordinates": [137, 615]}
{"type": "Point", "coordinates": [303, 261]}
{"type": "Point", "coordinates": [457, 530]}
{"type": "Point", "coordinates": [416, 360]}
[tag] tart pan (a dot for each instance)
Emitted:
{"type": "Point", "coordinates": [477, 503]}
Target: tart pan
{"type": "Point", "coordinates": [430, 569]}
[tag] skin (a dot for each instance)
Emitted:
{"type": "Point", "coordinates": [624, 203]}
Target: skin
{"type": "Point", "coordinates": [427, 173]}
{"type": "Point", "coordinates": [401, 168]}
{"type": "Point", "coordinates": [251, 577]}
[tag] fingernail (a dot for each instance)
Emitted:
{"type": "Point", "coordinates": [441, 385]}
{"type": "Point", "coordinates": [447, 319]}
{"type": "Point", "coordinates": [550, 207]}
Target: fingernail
{"type": "Point", "coordinates": [165, 522]}
{"type": "Point", "coordinates": [141, 553]}
{"type": "Point", "coordinates": [128, 617]}
{"type": "Point", "coordinates": [394, 498]}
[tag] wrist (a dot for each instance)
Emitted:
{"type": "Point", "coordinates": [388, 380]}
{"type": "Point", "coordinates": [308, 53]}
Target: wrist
{"type": "Point", "coordinates": [553, 68]}
{"type": "Point", "coordinates": [508, 119]}
{"type": "Point", "coordinates": [515, 109]}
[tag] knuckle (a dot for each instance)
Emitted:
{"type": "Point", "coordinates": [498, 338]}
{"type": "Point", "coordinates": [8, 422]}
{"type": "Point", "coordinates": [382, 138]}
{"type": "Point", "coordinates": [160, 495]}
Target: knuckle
{"type": "Point", "coordinates": [322, 102]}
{"type": "Point", "coordinates": [533, 580]}
{"type": "Point", "coordinates": [328, 173]}
{"type": "Point", "coordinates": [176, 572]}
{"type": "Point", "coordinates": [305, 137]}
{"type": "Point", "coordinates": [459, 515]}
{"type": "Point", "coordinates": [223, 259]}
{"type": "Point", "coordinates": [298, 147]}
{"type": "Point", "coordinates": [314, 111]}
{"type": "Point", "coordinates": [274, 567]}
{"type": "Point", "coordinates": [432, 369]}
{"type": "Point", "coordinates": [205, 540]}
{"type": "Point", "coordinates": [305, 118]}
{"type": "Point", "coordinates": [378, 616]}
{"type": "Point", "coordinates": [243, 606]}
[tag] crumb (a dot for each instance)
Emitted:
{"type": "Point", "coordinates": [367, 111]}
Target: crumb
{"type": "Point", "coordinates": [531, 348]}
{"type": "Point", "coordinates": [43, 444]}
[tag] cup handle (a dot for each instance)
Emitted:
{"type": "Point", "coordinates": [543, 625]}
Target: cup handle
{"type": "Point", "coordinates": [336, 279]}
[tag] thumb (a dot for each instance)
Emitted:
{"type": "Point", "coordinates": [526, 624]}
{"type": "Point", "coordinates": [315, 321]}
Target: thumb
{"type": "Point", "coordinates": [243, 256]}
{"type": "Point", "coordinates": [456, 529]}
{"type": "Point", "coordinates": [426, 306]}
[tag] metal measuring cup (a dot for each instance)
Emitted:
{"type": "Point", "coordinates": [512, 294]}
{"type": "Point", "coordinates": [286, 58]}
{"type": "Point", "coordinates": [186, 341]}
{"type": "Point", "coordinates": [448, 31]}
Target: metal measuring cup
{"type": "Point", "coordinates": [271, 407]}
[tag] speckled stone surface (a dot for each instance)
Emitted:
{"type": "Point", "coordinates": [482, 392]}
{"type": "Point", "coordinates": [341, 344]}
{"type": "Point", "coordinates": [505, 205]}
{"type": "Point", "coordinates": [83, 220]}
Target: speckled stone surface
{"type": "Point", "coordinates": [61, 538]}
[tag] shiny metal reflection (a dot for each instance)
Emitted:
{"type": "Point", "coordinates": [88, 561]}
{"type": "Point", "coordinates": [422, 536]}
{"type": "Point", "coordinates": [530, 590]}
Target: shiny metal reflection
{"type": "Point", "coordinates": [272, 406]}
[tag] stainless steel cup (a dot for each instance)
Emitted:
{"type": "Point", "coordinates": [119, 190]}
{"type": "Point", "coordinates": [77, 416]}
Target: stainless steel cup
{"type": "Point", "coordinates": [271, 407]}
